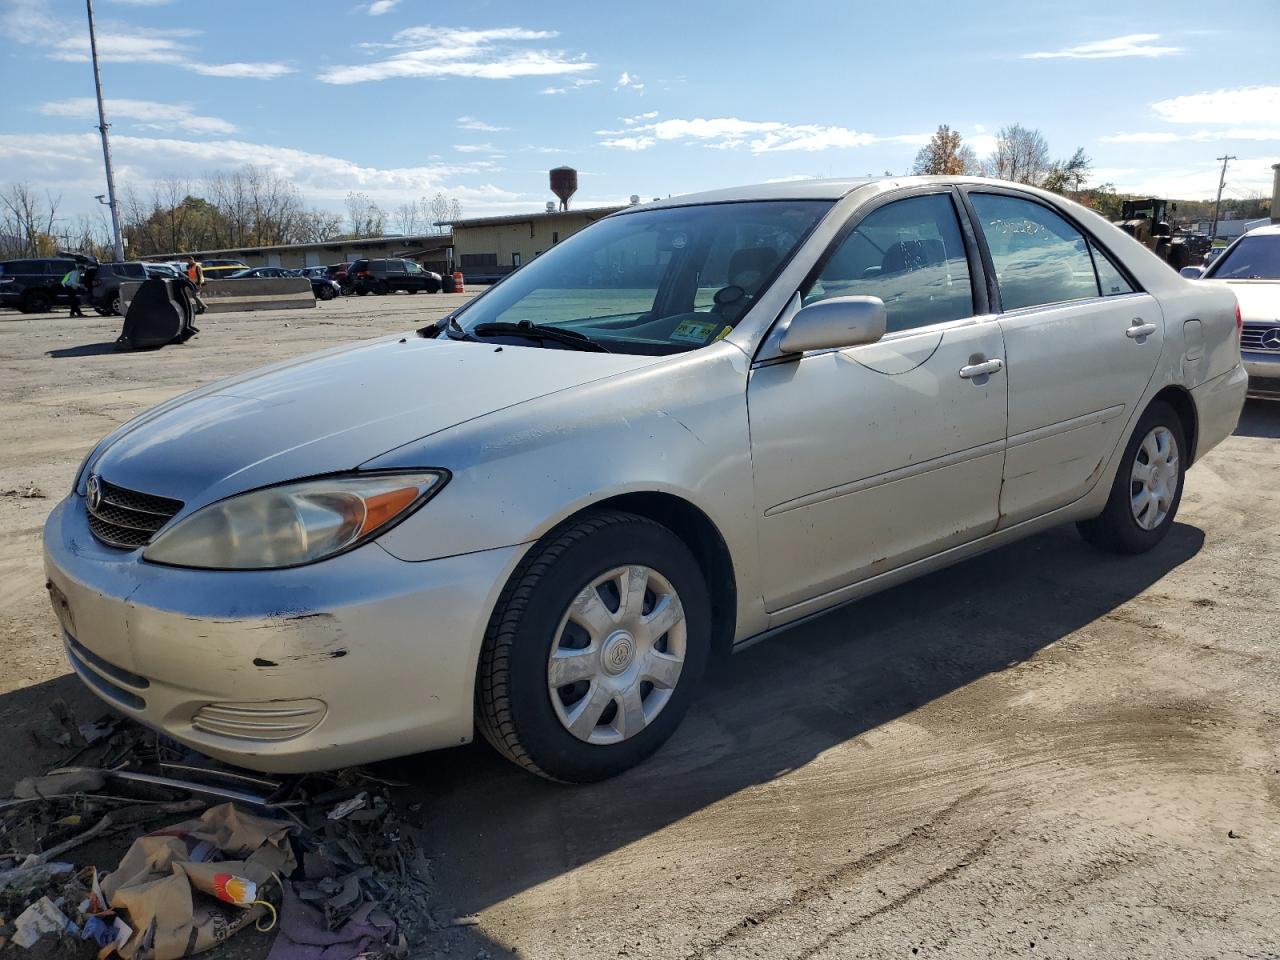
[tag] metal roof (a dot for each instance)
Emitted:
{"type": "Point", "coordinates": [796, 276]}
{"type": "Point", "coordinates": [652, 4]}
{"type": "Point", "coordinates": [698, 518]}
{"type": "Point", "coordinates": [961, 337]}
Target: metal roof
{"type": "Point", "coordinates": [424, 241]}
{"type": "Point", "coordinates": [526, 217]}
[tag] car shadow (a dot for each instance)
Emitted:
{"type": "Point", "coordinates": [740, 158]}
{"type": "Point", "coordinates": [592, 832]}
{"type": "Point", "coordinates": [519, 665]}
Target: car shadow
{"type": "Point", "coordinates": [1259, 418]}
{"type": "Point", "coordinates": [497, 831]}
{"type": "Point", "coordinates": [84, 350]}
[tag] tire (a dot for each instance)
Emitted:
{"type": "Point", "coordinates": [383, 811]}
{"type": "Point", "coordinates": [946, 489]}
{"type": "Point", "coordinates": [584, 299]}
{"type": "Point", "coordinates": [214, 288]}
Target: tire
{"type": "Point", "coordinates": [326, 293]}
{"type": "Point", "coordinates": [363, 291]}
{"type": "Point", "coordinates": [381, 288]}
{"type": "Point", "coordinates": [102, 311]}
{"type": "Point", "coordinates": [115, 306]}
{"type": "Point", "coordinates": [518, 708]}
{"type": "Point", "coordinates": [37, 301]}
{"type": "Point", "coordinates": [1122, 527]}
{"type": "Point", "coordinates": [433, 288]}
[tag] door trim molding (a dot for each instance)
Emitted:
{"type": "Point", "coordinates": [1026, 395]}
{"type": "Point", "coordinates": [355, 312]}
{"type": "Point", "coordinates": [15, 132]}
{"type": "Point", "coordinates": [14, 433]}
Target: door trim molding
{"type": "Point", "coordinates": [889, 476]}
{"type": "Point", "coordinates": [1066, 426]}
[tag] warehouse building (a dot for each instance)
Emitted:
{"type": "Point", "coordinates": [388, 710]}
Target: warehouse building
{"type": "Point", "coordinates": [488, 248]}
{"type": "Point", "coordinates": [432, 250]}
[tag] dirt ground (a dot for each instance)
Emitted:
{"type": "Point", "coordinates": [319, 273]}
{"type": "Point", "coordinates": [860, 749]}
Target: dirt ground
{"type": "Point", "coordinates": [1042, 752]}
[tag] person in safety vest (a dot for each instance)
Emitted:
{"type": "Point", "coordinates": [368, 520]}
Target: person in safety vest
{"type": "Point", "coordinates": [195, 273]}
{"type": "Point", "coordinates": [71, 283]}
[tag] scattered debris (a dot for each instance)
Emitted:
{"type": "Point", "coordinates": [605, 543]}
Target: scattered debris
{"type": "Point", "coordinates": [29, 492]}
{"type": "Point", "coordinates": [323, 861]}
{"type": "Point", "coordinates": [41, 918]}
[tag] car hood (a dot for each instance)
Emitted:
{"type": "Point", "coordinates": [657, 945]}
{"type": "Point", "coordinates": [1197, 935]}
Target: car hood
{"type": "Point", "coordinates": [1259, 299]}
{"type": "Point", "coordinates": [331, 412]}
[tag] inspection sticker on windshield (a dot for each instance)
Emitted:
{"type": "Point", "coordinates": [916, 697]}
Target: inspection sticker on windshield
{"type": "Point", "coordinates": [694, 331]}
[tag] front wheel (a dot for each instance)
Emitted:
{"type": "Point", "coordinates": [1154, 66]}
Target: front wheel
{"type": "Point", "coordinates": [326, 293]}
{"type": "Point", "coordinates": [595, 649]}
{"type": "Point", "coordinates": [363, 291]}
{"type": "Point", "coordinates": [1148, 486]}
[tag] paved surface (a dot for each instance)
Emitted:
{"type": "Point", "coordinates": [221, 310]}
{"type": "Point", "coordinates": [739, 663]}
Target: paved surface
{"type": "Point", "coordinates": [1042, 752]}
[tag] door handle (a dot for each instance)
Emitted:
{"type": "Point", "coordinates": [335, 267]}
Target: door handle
{"type": "Point", "coordinates": [985, 368]}
{"type": "Point", "coordinates": [1137, 330]}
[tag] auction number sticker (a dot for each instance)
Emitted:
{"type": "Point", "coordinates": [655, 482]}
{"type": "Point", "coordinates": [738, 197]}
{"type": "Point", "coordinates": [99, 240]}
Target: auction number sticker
{"type": "Point", "coordinates": [694, 331]}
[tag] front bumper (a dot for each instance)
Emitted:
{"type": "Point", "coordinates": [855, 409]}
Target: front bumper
{"type": "Point", "coordinates": [353, 659]}
{"type": "Point", "coordinates": [1264, 373]}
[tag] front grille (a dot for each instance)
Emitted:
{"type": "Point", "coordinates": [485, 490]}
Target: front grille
{"type": "Point", "coordinates": [1252, 334]}
{"type": "Point", "coordinates": [110, 682]}
{"type": "Point", "coordinates": [126, 518]}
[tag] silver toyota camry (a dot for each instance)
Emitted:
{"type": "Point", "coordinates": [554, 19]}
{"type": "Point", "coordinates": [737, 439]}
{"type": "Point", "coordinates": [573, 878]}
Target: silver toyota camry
{"type": "Point", "coordinates": [688, 426]}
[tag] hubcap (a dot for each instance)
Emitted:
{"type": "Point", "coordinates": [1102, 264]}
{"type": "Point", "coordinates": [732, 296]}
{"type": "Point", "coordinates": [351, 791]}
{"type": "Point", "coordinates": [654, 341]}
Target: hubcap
{"type": "Point", "coordinates": [617, 655]}
{"type": "Point", "coordinates": [1153, 481]}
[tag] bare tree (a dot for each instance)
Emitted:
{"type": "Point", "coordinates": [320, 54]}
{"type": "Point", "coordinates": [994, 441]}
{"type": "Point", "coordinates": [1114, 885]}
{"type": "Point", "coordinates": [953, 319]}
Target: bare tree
{"type": "Point", "coordinates": [27, 221]}
{"type": "Point", "coordinates": [365, 217]}
{"type": "Point", "coordinates": [439, 209]}
{"type": "Point", "coordinates": [945, 154]}
{"type": "Point", "coordinates": [409, 217]}
{"type": "Point", "coordinates": [1069, 176]}
{"type": "Point", "coordinates": [455, 210]}
{"type": "Point", "coordinates": [1021, 155]}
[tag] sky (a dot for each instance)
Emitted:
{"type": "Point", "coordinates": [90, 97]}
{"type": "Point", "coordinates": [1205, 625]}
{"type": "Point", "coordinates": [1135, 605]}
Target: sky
{"type": "Point", "coordinates": [400, 99]}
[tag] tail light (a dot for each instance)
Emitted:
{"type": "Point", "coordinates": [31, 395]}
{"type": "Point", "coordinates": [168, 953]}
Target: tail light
{"type": "Point", "coordinates": [1239, 323]}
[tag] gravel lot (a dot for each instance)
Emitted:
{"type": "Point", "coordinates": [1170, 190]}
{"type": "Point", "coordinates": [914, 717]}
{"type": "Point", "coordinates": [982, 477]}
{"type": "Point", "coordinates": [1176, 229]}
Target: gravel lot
{"type": "Point", "coordinates": [1042, 752]}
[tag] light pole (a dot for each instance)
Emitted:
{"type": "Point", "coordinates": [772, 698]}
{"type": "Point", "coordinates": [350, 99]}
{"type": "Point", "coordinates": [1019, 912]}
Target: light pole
{"type": "Point", "coordinates": [117, 242]}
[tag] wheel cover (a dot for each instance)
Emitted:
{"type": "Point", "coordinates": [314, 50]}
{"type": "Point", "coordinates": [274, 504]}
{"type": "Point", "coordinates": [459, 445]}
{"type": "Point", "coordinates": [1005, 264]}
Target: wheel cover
{"type": "Point", "coordinates": [1154, 477]}
{"type": "Point", "coordinates": [617, 655]}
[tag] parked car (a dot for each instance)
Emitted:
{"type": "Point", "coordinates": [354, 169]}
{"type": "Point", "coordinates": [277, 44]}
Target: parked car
{"type": "Point", "coordinates": [220, 269]}
{"type": "Point", "coordinates": [689, 425]}
{"type": "Point", "coordinates": [163, 271]}
{"type": "Point", "coordinates": [34, 285]}
{"type": "Point", "coordinates": [1250, 267]}
{"type": "Point", "coordinates": [322, 288]}
{"type": "Point", "coordinates": [386, 276]}
{"type": "Point", "coordinates": [104, 284]}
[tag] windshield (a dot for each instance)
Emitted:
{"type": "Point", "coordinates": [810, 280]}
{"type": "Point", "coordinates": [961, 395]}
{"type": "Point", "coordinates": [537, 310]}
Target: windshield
{"type": "Point", "coordinates": [1253, 258]}
{"type": "Point", "coordinates": [652, 282]}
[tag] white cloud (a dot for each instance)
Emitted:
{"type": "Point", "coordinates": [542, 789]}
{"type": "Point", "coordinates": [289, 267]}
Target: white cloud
{"type": "Point", "coordinates": [1200, 136]}
{"type": "Point", "coordinates": [1247, 105]}
{"type": "Point", "coordinates": [124, 44]}
{"type": "Point", "coordinates": [428, 51]}
{"type": "Point", "coordinates": [474, 147]}
{"type": "Point", "coordinates": [471, 123]}
{"type": "Point", "coordinates": [148, 114]}
{"type": "Point", "coordinates": [72, 163]}
{"type": "Point", "coordinates": [576, 83]}
{"type": "Point", "coordinates": [1130, 45]}
{"type": "Point", "coordinates": [1197, 181]}
{"type": "Point", "coordinates": [378, 7]}
{"type": "Point", "coordinates": [630, 81]}
{"type": "Point", "coordinates": [759, 136]}
{"type": "Point", "coordinates": [546, 150]}
{"type": "Point", "coordinates": [639, 117]}
{"type": "Point", "coordinates": [629, 143]}
{"type": "Point", "coordinates": [983, 144]}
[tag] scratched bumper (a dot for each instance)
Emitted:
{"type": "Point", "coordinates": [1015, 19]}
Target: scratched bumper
{"type": "Point", "coordinates": [353, 659]}
{"type": "Point", "coordinates": [1264, 373]}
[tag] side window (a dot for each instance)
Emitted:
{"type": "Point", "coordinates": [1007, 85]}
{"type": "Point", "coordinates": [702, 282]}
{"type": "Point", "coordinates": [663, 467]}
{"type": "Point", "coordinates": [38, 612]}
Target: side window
{"type": "Point", "coordinates": [1039, 258]}
{"type": "Point", "coordinates": [911, 255]}
{"type": "Point", "coordinates": [395, 266]}
{"type": "Point", "coordinates": [411, 267]}
{"type": "Point", "coordinates": [1111, 281]}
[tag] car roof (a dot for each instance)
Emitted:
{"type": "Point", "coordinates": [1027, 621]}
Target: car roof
{"type": "Point", "coordinates": [829, 189]}
{"type": "Point", "coordinates": [1269, 230]}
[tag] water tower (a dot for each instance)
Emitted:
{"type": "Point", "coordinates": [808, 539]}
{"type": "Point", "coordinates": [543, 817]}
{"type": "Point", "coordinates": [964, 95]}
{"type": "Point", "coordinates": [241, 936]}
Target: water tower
{"type": "Point", "coordinates": [564, 184]}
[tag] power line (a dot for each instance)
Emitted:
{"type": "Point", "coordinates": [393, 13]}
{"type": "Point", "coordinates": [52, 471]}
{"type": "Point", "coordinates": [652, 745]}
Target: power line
{"type": "Point", "coordinates": [1217, 204]}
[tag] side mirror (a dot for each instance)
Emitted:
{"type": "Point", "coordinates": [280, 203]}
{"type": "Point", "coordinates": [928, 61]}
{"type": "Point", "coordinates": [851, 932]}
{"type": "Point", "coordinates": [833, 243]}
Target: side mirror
{"type": "Point", "coordinates": [838, 322]}
{"type": "Point", "coordinates": [1191, 273]}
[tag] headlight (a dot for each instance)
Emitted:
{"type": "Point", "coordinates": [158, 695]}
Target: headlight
{"type": "Point", "coordinates": [295, 523]}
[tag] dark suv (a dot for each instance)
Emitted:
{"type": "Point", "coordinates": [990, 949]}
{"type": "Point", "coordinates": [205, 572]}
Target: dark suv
{"type": "Point", "coordinates": [104, 284]}
{"type": "Point", "coordinates": [383, 276]}
{"type": "Point", "coordinates": [35, 285]}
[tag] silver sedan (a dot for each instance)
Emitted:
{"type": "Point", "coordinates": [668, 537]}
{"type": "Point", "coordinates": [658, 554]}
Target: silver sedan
{"type": "Point", "coordinates": [690, 425]}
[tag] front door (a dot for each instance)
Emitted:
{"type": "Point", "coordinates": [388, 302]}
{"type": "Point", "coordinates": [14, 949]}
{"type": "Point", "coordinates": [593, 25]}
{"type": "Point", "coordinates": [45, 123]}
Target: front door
{"type": "Point", "coordinates": [1081, 345]}
{"type": "Point", "coordinates": [868, 458]}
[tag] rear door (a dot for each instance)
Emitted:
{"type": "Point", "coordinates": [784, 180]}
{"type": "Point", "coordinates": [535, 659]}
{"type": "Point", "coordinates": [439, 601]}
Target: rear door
{"type": "Point", "coordinates": [395, 275]}
{"type": "Point", "coordinates": [1081, 344]}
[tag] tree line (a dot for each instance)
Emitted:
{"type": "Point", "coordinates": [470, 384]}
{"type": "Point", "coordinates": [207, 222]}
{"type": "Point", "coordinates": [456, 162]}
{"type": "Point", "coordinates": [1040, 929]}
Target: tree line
{"type": "Point", "coordinates": [249, 207]}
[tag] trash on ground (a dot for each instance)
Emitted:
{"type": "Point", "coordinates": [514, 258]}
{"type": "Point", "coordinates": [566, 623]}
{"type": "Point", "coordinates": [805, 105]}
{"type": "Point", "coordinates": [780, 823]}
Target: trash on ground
{"type": "Point", "coordinates": [42, 917]}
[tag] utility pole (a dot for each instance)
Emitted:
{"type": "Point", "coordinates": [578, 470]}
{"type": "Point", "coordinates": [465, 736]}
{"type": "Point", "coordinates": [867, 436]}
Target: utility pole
{"type": "Point", "coordinates": [117, 242]}
{"type": "Point", "coordinates": [1217, 204]}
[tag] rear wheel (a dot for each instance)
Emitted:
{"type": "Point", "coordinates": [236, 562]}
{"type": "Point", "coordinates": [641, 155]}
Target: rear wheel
{"type": "Point", "coordinates": [36, 301]}
{"type": "Point", "coordinates": [1148, 486]}
{"type": "Point", "coordinates": [326, 293]}
{"type": "Point", "coordinates": [363, 291]}
{"type": "Point", "coordinates": [381, 288]}
{"type": "Point", "coordinates": [117, 305]}
{"type": "Point", "coordinates": [595, 649]}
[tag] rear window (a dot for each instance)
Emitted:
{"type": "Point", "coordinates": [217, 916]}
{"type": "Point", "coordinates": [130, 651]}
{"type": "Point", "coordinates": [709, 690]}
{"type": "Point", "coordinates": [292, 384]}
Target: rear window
{"type": "Point", "coordinates": [134, 271]}
{"type": "Point", "coordinates": [362, 265]}
{"type": "Point", "coordinates": [1252, 258]}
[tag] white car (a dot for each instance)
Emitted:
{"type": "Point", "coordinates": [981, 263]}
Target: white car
{"type": "Point", "coordinates": [692, 424]}
{"type": "Point", "coordinates": [1251, 268]}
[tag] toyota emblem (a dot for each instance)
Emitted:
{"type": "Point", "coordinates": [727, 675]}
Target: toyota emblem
{"type": "Point", "coordinates": [1271, 338]}
{"type": "Point", "coordinates": [94, 491]}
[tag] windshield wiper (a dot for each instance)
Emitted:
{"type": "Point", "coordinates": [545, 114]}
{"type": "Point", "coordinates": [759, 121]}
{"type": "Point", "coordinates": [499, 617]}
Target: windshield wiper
{"type": "Point", "coordinates": [540, 331]}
